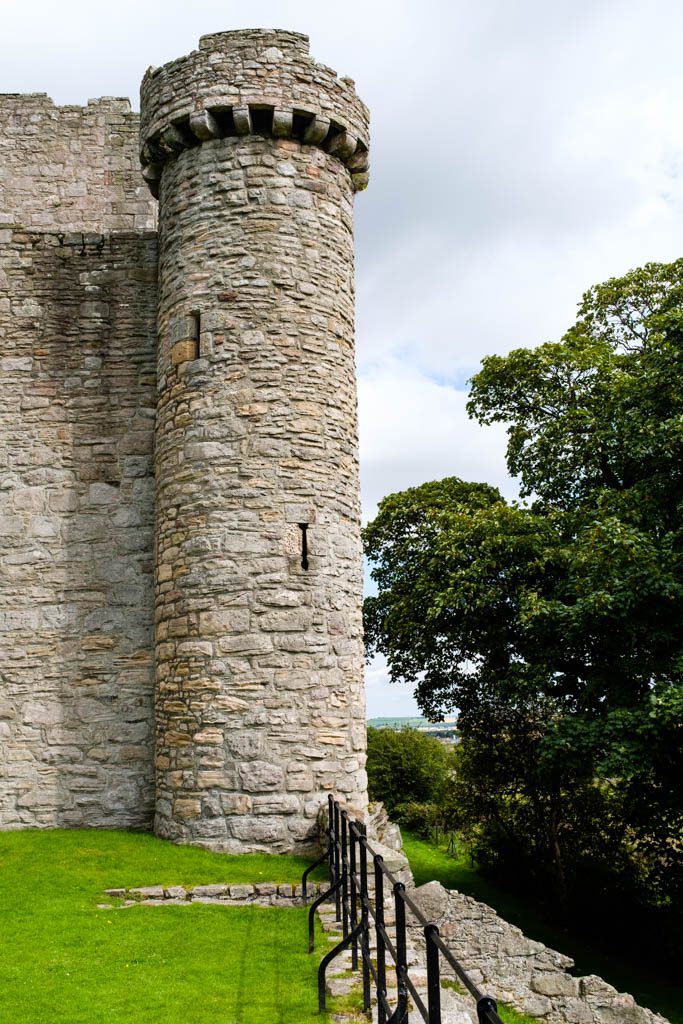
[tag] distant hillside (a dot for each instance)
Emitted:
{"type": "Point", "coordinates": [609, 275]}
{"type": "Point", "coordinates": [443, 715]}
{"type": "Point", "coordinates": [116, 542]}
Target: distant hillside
{"type": "Point", "coordinates": [446, 731]}
{"type": "Point", "coordinates": [396, 723]}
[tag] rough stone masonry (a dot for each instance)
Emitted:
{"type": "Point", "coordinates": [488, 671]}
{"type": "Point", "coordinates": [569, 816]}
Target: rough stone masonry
{"type": "Point", "coordinates": [180, 560]}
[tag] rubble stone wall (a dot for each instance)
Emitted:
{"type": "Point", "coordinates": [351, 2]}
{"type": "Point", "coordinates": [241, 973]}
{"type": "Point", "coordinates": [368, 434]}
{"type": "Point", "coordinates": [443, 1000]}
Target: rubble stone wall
{"type": "Point", "coordinates": [77, 378]}
{"type": "Point", "coordinates": [519, 971]}
{"type": "Point", "coordinates": [256, 152]}
{"type": "Point", "coordinates": [71, 168]}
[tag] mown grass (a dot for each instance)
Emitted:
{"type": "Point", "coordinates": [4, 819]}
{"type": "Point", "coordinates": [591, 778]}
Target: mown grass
{"type": "Point", "coordinates": [64, 960]}
{"type": "Point", "coordinates": [591, 955]}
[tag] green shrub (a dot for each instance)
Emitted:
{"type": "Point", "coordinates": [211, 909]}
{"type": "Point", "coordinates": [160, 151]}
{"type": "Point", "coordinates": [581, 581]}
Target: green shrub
{"type": "Point", "coordinates": [406, 767]}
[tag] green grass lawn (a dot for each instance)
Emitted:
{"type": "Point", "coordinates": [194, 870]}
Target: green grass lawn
{"type": "Point", "coordinates": [592, 956]}
{"type": "Point", "coordinates": [63, 960]}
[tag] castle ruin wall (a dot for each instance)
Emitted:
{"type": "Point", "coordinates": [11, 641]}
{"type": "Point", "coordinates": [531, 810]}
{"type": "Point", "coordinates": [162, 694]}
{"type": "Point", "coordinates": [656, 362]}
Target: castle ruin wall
{"type": "Point", "coordinates": [77, 377]}
{"type": "Point", "coordinates": [178, 444]}
{"type": "Point", "coordinates": [71, 168]}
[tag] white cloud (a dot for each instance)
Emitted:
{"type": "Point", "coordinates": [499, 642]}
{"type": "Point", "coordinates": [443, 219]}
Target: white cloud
{"type": "Point", "coordinates": [414, 429]}
{"type": "Point", "coordinates": [386, 699]}
{"type": "Point", "coordinates": [520, 153]}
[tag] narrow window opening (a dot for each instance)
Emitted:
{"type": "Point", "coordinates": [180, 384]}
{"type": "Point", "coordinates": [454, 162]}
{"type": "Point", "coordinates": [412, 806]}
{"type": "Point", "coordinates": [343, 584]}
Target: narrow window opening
{"type": "Point", "coordinates": [304, 545]}
{"type": "Point", "coordinates": [196, 328]}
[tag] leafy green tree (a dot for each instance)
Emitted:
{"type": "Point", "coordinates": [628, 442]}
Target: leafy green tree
{"type": "Point", "coordinates": [599, 412]}
{"type": "Point", "coordinates": [408, 771]}
{"type": "Point", "coordinates": [556, 628]}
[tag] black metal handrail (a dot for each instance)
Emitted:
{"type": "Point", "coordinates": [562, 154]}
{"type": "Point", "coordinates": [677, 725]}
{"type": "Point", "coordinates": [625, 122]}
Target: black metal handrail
{"type": "Point", "coordinates": [359, 912]}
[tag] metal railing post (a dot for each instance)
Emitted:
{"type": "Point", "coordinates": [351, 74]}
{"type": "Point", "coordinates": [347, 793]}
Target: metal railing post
{"type": "Point", "coordinates": [330, 836]}
{"type": "Point", "coordinates": [337, 864]}
{"type": "Point", "coordinates": [485, 1005]}
{"type": "Point", "coordinates": [381, 948]}
{"type": "Point", "coordinates": [433, 980]}
{"type": "Point", "coordinates": [401, 1014]}
{"type": "Point", "coordinates": [353, 845]}
{"type": "Point", "coordinates": [348, 852]}
{"type": "Point", "coordinates": [345, 873]}
{"type": "Point", "coordinates": [365, 933]}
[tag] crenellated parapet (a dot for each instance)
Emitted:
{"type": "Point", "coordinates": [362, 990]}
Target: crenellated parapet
{"type": "Point", "coordinates": [256, 82]}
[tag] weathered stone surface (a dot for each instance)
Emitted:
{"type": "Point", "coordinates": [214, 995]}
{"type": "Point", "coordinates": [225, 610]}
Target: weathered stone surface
{"type": "Point", "coordinates": [266, 80]}
{"type": "Point", "coordinates": [259, 659]}
{"type": "Point", "coordinates": [518, 970]}
{"type": "Point", "coordinates": [209, 890]}
{"type": "Point", "coordinates": [264, 894]}
{"type": "Point", "coordinates": [175, 892]}
{"type": "Point", "coordinates": [149, 892]}
{"type": "Point", "coordinates": [71, 168]}
{"type": "Point", "coordinates": [247, 375]}
{"type": "Point", "coordinates": [241, 892]}
{"type": "Point", "coordinates": [551, 983]}
{"type": "Point", "coordinates": [76, 588]}
{"type": "Point", "coordinates": [257, 776]}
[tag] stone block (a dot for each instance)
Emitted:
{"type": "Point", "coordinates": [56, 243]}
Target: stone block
{"type": "Point", "coordinates": [265, 889]}
{"type": "Point", "coordinates": [210, 890]}
{"type": "Point", "coordinates": [148, 892]}
{"type": "Point", "coordinates": [552, 983]}
{"type": "Point", "coordinates": [187, 809]}
{"type": "Point", "coordinates": [592, 985]}
{"type": "Point", "coordinates": [236, 803]}
{"type": "Point", "coordinates": [33, 712]}
{"type": "Point", "coordinates": [277, 803]}
{"type": "Point", "coordinates": [242, 892]}
{"type": "Point", "coordinates": [258, 831]}
{"type": "Point", "coordinates": [183, 351]}
{"type": "Point", "coordinates": [208, 737]}
{"type": "Point", "coordinates": [103, 494]}
{"type": "Point", "coordinates": [260, 776]}
{"type": "Point", "coordinates": [175, 892]}
{"type": "Point", "coordinates": [220, 621]}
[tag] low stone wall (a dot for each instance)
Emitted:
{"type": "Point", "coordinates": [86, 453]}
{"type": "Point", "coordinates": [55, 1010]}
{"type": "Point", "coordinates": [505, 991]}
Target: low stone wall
{"type": "Point", "coordinates": [263, 894]}
{"type": "Point", "coordinates": [519, 971]}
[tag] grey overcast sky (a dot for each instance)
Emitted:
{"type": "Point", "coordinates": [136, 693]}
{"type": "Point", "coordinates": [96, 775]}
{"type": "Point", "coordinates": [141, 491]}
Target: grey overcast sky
{"type": "Point", "coordinates": [521, 151]}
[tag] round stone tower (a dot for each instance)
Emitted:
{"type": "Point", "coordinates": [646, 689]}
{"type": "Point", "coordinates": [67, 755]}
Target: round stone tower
{"type": "Point", "coordinates": [255, 152]}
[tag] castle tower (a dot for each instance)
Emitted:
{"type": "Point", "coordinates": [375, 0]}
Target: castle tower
{"type": "Point", "coordinates": [255, 152]}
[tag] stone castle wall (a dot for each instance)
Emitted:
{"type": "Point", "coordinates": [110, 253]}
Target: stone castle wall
{"type": "Point", "coordinates": [71, 168]}
{"type": "Point", "coordinates": [256, 152]}
{"type": "Point", "coordinates": [77, 379]}
{"type": "Point", "coordinates": [520, 971]}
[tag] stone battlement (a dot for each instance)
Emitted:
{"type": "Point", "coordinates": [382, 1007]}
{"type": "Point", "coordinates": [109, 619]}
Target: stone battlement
{"type": "Point", "coordinates": [251, 83]}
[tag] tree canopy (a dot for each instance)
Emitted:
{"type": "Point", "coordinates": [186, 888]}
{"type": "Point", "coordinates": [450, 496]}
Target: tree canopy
{"type": "Point", "coordinates": [556, 627]}
{"type": "Point", "coordinates": [599, 412]}
{"type": "Point", "coordinates": [406, 769]}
